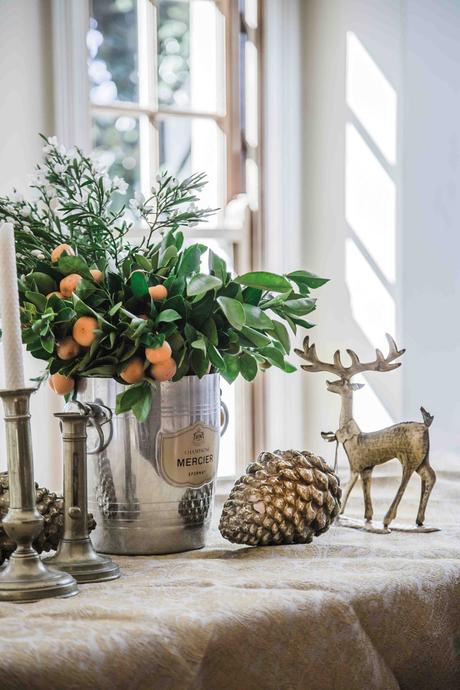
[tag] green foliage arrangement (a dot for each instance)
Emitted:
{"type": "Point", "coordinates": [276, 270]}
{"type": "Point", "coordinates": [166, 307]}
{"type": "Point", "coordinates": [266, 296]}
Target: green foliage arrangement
{"type": "Point", "coordinates": [210, 320]}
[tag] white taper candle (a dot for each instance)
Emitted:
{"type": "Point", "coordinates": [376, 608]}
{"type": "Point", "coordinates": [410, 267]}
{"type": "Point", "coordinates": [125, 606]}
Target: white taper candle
{"type": "Point", "coordinates": [13, 378]}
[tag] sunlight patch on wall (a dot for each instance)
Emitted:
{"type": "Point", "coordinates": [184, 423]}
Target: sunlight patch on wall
{"type": "Point", "coordinates": [370, 202]}
{"type": "Point", "coordinates": [373, 308]}
{"type": "Point", "coordinates": [369, 411]}
{"type": "Point", "coordinates": [371, 97]}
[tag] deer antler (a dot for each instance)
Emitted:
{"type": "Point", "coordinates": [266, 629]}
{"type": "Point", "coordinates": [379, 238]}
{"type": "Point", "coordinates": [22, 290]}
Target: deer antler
{"type": "Point", "coordinates": [380, 363]}
{"type": "Point", "coordinates": [309, 354]}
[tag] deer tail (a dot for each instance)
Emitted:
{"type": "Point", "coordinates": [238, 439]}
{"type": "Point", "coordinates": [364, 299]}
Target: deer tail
{"type": "Point", "coordinates": [427, 417]}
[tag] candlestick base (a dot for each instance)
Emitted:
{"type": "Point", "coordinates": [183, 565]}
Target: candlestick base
{"type": "Point", "coordinates": [79, 558]}
{"type": "Point", "coordinates": [25, 578]}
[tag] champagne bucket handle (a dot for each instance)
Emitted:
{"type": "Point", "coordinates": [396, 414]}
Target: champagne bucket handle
{"type": "Point", "coordinates": [99, 416]}
{"type": "Point", "coordinates": [224, 417]}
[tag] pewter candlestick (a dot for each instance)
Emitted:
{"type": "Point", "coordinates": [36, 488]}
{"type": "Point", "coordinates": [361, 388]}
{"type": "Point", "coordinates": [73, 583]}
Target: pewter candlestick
{"type": "Point", "coordinates": [25, 577]}
{"type": "Point", "coordinates": [75, 552]}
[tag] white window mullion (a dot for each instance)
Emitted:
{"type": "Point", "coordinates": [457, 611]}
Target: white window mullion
{"type": "Point", "coordinates": [70, 21]}
{"type": "Point", "coordinates": [147, 63]}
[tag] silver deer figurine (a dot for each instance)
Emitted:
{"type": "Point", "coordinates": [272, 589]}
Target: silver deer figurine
{"type": "Point", "coordinates": [408, 442]}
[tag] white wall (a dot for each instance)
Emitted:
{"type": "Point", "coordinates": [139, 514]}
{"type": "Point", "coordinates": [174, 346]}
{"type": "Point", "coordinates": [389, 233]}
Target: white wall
{"type": "Point", "coordinates": [431, 216]}
{"type": "Point", "coordinates": [26, 109]}
{"type": "Point", "coordinates": [282, 192]}
{"type": "Point", "coordinates": [414, 46]}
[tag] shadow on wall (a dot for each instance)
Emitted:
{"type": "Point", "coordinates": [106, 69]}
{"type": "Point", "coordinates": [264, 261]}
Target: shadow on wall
{"type": "Point", "coordinates": [351, 176]}
{"type": "Point", "coordinates": [370, 208]}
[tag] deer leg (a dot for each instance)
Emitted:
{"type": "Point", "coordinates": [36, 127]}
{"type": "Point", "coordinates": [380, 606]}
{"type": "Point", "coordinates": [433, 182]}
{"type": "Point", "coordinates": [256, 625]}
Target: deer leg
{"type": "Point", "coordinates": [347, 491]}
{"type": "Point", "coordinates": [366, 477]}
{"type": "Point", "coordinates": [428, 477]}
{"type": "Point", "coordinates": [391, 514]}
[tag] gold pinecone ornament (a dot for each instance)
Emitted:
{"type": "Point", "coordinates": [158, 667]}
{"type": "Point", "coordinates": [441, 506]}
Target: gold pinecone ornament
{"type": "Point", "coordinates": [50, 505]}
{"type": "Point", "coordinates": [285, 497]}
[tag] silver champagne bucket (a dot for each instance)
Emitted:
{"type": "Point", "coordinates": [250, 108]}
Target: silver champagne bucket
{"type": "Point", "coordinates": [151, 484]}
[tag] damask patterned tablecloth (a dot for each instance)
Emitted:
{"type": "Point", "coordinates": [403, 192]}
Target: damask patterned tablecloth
{"type": "Point", "coordinates": [352, 611]}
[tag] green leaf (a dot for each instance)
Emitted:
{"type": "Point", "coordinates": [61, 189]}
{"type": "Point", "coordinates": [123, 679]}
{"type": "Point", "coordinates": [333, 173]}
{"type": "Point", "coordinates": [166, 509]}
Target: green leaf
{"type": "Point", "coordinates": [265, 281]}
{"type": "Point", "coordinates": [115, 308]}
{"type": "Point", "coordinates": [233, 311]}
{"type": "Point", "coordinates": [202, 309]}
{"type": "Point", "coordinates": [104, 371]}
{"type": "Point", "coordinates": [275, 301]}
{"type": "Point", "coordinates": [199, 344]}
{"type": "Point", "coordinates": [143, 262]}
{"type": "Point", "coordinates": [303, 323]}
{"type": "Point", "coordinates": [201, 283]}
{"type": "Point", "coordinates": [167, 255]}
{"type": "Point", "coordinates": [85, 288]}
{"type": "Point", "coordinates": [255, 337]}
{"type": "Point", "coordinates": [139, 285]}
{"type": "Point", "coordinates": [190, 332]}
{"type": "Point", "coordinates": [282, 335]}
{"type": "Point", "coordinates": [37, 299]}
{"type": "Point", "coordinates": [310, 279]}
{"type": "Point", "coordinates": [252, 295]}
{"type": "Point", "coordinates": [300, 306]}
{"type": "Point", "coordinates": [199, 362]}
{"type": "Point", "coordinates": [177, 303]}
{"type": "Point", "coordinates": [179, 240]}
{"type": "Point", "coordinates": [217, 266]}
{"type": "Point", "coordinates": [256, 318]}
{"type": "Point", "coordinates": [83, 309]}
{"type": "Point", "coordinates": [74, 264]}
{"type": "Point", "coordinates": [191, 259]}
{"type": "Point", "coordinates": [141, 408]}
{"type": "Point", "coordinates": [168, 316]}
{"type": "Point", "coordinates": [42, 281]}
{"type": "Point", "coordinates": [126, 268]}
{"type": "Point", "coordinates": [175, 286]}
{"type": "Point", "coordinates": [129, 397]}
{"type": "Point", "coordinates": [47, 342]}
{"type": "Point", "coordinates": [232, 368]}
{"type": "Point", "coordinates": [234, 290]}
{"type": "Point", "coordinates": [210, 331]}
{"type": "Point", "coordinates": [150, 340]}
{"type": "Point", "coordinates": [273, 355]}
{"type": "Point", "coordinates": [216, 358]}
{"type": "Point", "coordinates": [248, 366]}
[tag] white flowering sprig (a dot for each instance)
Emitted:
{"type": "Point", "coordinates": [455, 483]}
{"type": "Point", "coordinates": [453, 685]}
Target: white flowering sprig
{"type": "Point", "coordinates": [73, 203]}
{"type": "Point", "coordinates": [171, 205]}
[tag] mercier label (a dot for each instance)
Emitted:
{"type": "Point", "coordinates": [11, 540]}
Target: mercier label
{"type": "Point", "coordinates": [189, 457]}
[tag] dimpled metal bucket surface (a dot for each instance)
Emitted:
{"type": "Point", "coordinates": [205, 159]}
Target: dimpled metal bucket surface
{"type": "Point", "coordinates": [140, 505]}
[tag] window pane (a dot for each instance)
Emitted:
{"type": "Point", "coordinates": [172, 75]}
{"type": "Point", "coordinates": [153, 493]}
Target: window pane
{"type": "Point", "coordinates": [190, 145]}
{"type": "Point", "coordinates": [190, 55]}
{"type": "Point", "coordinates": [250, 13]}
{"type": "Point", "coordinates": [116, 141]}
{"type": "Point", "coordinates": [112, 46]}
{"type": "Point", "coordinates": [251, 95]}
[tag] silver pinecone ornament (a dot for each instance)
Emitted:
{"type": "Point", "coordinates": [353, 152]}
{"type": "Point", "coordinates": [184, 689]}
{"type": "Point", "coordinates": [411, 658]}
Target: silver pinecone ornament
{"type": "Point", "coordinates": [50, 506]}
{"type": "Point", "coordinates": [285, 497]}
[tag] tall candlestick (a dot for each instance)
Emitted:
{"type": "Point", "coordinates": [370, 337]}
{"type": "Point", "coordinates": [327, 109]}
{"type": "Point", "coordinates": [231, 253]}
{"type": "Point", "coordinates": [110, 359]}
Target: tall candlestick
{"type": "Point", "coordinates": [25, 577]}
{"type": "Point", "coordinates": [9, 310]}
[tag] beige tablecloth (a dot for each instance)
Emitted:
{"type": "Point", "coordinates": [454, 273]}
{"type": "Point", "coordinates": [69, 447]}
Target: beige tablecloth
{"type": "Point", "coordinates": [353, 611]}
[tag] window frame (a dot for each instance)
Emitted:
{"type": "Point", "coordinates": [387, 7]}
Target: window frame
{"type": "Point", "coordinates": [70, 21]}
